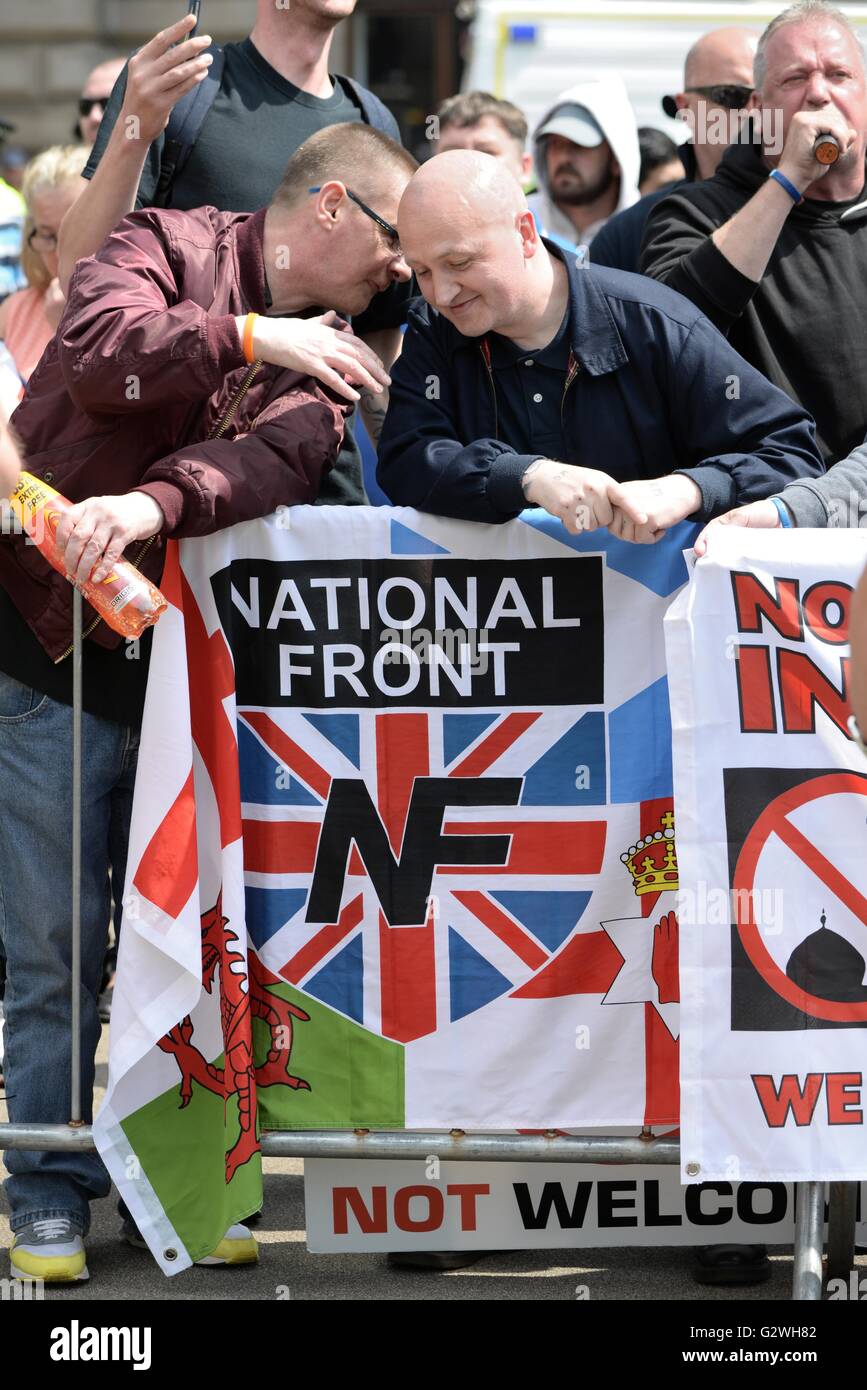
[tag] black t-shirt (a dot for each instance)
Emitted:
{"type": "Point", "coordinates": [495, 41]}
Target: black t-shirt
{"type": "Point", "coordinates": [256, 123]}
{"type": "Point", "coordinates": [112, 681]}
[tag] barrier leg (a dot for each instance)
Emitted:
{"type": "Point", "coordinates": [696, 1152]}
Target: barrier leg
{"type": "Point", "coordinates": [809, 1221]}
{"type": "Point", "coordinates": [841, 1229]}
{"type": "Point", "coordinates": [75, 1052]}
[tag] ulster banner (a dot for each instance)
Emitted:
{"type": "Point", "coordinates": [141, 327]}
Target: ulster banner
{"type": "Point", "coordinates": [403, 849]}
{"type": "Point", "coordinates": [771, 797]}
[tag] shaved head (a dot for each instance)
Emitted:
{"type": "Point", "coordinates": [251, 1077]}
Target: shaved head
{"type": "Point", "coordinates": [723, 55]}
{"type": "Point", "coordinates": [468, 234]}
{"type": "Point", "coordinates": [462, 187]}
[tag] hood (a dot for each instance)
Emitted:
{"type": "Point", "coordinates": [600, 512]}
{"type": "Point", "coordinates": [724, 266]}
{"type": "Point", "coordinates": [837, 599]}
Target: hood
{"type": "Point", "coordinates": [608, 102]}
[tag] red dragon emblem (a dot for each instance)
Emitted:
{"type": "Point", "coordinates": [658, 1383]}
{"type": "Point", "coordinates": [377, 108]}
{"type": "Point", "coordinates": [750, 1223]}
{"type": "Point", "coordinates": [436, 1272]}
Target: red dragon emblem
{"type": "Point", "coordinates": [244, 995]}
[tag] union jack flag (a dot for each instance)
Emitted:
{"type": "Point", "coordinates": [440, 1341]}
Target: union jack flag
{"type": "Point", "coordinates": [589, 781]}
{"type": "Point", "coordinates": [488, 927]}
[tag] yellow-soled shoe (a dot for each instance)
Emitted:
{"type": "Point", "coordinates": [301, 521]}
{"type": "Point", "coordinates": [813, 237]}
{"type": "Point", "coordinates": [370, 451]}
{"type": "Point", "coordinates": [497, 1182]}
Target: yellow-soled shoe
{"type": "Point", "coordinates": [238, 1247]}
{"type": "Point", "coordinates": [49, 1249]}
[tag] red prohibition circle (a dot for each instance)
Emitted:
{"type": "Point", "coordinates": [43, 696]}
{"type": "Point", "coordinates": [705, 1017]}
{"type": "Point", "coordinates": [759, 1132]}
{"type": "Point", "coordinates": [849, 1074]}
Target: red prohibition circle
{"type": "Point", "coordinates": [769, 822]}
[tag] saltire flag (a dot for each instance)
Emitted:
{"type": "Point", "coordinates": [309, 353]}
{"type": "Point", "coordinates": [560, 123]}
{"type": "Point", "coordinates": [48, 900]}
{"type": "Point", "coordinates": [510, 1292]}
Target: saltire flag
{"type": "Point", "coordinates": [403, 849]}
{"type": "Point", "coordinates": [771, 794]}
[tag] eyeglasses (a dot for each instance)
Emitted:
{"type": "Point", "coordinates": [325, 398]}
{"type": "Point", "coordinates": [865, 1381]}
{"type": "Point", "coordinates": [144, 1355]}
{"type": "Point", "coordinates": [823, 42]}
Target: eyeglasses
{"type": "Point", "coordinates": [42, 241]}
{"type": "Point", "coordinates": [731, 96]}
{"type": "Point", "coordinates": [390, 231]}
{"type": "Point", "coordinates": [86, 104]}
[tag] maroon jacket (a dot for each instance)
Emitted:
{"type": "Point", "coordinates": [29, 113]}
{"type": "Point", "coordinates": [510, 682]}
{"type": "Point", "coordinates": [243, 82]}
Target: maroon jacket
{"type": "Point", "coordinates": [146, 363]}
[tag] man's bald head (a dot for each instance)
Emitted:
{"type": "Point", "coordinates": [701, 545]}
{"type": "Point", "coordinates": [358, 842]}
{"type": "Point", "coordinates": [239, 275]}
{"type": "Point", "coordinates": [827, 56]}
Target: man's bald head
{"type": "Point", "coordinates": [466, 231]}
{"type": "Point", "coordinates": [462, 186]}
{"type": "Point", "coordinates": [721, 56]}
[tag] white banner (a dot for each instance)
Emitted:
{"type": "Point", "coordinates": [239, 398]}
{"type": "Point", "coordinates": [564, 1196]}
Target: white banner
{"type": "Point", "coordinates": [355, 1205]}
{"type": "Point", "coordinates": [771, 806]}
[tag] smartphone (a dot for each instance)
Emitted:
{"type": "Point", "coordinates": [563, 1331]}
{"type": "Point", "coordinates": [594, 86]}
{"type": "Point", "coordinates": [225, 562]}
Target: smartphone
{"type": "Point", "coordinates": [194, 7]}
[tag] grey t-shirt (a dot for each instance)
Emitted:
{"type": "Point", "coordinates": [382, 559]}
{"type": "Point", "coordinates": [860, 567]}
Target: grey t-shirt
{"type": "Point", "coordinates": [255, 124]}
{"type": "Point", "coordinates": [257, 121]}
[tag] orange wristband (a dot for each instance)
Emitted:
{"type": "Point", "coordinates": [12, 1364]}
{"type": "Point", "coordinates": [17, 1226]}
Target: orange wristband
{"type": "Point", "coordinates": [248, 337]}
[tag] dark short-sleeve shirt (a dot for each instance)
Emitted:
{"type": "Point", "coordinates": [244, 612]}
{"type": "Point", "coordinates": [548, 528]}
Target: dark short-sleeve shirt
{"type": "Point", "coordinates": [257, 121]}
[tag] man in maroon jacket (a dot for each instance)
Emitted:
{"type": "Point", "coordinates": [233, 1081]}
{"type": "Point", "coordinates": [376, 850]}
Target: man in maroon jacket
{"type": "Point", "coordinates": [182, 394]}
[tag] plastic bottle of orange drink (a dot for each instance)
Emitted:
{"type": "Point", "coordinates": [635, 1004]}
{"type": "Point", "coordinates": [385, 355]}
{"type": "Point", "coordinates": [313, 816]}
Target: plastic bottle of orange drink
{"type": "Point", "coordinates": [124, 599]}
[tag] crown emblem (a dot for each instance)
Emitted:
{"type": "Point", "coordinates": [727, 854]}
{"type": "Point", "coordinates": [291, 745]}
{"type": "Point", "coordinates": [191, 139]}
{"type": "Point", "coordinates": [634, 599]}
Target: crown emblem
{"type": "Point", "coordinates": [653, 861]}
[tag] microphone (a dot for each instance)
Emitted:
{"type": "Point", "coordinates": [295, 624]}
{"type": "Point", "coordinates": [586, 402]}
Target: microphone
{"type": "Point", "coordinates": [826, 149]}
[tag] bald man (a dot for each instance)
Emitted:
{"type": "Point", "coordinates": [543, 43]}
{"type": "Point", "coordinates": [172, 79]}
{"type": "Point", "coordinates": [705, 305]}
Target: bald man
{"type": "Point", "coordinates": [94, 98]}
{"type": "Point", "coordinates": [525, 381]}
{"type": "Point", "coordinates": [717, 87]}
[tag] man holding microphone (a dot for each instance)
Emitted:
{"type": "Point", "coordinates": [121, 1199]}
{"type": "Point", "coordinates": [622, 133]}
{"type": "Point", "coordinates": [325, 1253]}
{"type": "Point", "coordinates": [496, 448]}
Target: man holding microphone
{"type": "Point", "coordinates": [773, 247]}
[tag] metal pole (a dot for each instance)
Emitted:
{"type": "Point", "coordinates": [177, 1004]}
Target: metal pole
{"type": "Point", "coordinates": [415, 1144]}
{"type": "Point", "coordinates": [75, 1079]}
{"type": "Point", "coordinates": [809, 1224]}
{"type": "Point", "coordinates": [842, 1216]}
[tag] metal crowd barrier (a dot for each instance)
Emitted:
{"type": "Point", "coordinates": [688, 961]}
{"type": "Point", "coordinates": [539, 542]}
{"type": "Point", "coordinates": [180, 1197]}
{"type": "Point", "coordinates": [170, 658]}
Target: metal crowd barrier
{"type": "Point", "coordinates": [420, 1144]}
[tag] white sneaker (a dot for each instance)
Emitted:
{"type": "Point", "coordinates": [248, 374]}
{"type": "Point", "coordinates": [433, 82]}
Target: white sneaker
{"type": "Point", "coordinates": [49, 1249]}
{"type": "Point", "coordinates": [238, 1246]}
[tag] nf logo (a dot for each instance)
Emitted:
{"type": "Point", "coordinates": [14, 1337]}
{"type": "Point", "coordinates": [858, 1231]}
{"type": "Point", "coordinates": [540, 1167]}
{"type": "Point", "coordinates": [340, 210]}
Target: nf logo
{"type": "Point", "coordinates": [76, 1343]}
{"type": "Point", "coordinates": [403, 885]}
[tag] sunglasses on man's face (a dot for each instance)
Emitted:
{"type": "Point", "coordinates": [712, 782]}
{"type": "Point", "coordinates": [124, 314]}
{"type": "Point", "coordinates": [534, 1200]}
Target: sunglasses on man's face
{"type": "Point", "coordinates": [390, 231]}
{"type": "Point", "coordinates": [731, 96]}
{"type": "Point", "coordinates": [86, 104]}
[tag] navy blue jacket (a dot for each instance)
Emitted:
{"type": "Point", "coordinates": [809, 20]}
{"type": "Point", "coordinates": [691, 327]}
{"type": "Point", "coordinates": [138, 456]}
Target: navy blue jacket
{"type": "Point", "coordinates": [653, 388]}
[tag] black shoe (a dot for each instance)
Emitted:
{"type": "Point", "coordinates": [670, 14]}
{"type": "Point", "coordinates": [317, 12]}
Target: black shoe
{"type": "Point", "coordinates": [731, 1264]}
{"type": "Point", "coordinates": [435, 1259]}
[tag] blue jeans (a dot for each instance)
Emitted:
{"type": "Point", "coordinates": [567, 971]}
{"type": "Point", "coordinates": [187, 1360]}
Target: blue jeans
{"type": "Point", "coordinates": [36, 929]}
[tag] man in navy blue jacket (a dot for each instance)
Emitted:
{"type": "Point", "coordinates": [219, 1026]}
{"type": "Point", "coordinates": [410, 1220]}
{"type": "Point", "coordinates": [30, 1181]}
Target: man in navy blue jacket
{"type": "Point", "coordinates": [600, 396]}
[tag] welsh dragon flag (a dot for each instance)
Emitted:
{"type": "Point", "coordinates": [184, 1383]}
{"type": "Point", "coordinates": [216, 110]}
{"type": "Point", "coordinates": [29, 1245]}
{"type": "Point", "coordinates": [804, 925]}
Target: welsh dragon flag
{"type": "Point", "coordinates": [402, 853]}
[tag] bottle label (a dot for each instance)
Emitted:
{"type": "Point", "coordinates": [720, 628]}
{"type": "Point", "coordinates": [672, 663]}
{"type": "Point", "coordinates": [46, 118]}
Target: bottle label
{"type": "Point", "coordinates": [122, 597]}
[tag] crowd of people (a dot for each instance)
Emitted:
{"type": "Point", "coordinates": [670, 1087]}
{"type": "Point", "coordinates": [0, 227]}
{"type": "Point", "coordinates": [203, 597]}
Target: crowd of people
{"type": "Point", "coordinates": [623, 332]}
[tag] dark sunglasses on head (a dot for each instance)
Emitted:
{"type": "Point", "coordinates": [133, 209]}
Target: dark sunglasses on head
{"type": "Point", "coordinates": [368, 212]}
{"type": "Point", "coordinates": [86, 104]}
{"type": "Point", "coordinates": [731, 96]}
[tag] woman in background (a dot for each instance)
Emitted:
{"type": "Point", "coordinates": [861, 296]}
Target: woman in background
{"type": "Point", "coordinates": [29, 318]}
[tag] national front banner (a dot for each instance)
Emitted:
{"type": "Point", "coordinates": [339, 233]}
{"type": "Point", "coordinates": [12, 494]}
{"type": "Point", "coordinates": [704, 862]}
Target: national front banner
{"type": "Point", "coordinates": [771, 796]}
{"type": "Point", "coordinates": [403, 851]}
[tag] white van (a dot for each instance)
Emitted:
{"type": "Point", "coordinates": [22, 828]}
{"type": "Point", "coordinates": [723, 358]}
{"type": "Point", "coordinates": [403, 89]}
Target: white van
{"type": "Point", "coordinates": [529, 52]}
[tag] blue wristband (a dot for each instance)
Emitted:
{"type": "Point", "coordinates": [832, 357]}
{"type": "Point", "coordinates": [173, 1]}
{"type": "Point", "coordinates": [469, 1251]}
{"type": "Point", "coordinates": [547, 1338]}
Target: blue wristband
{"type": "Point", "coordinates": [790, 188]}
{"type": "Point", "coordinates": [785, 515]}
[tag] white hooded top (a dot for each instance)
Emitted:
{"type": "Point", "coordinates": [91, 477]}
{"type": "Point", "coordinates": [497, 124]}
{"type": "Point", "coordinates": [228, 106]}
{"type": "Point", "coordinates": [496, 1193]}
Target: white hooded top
{"type": "Point", "coordinates": [608, 102]}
